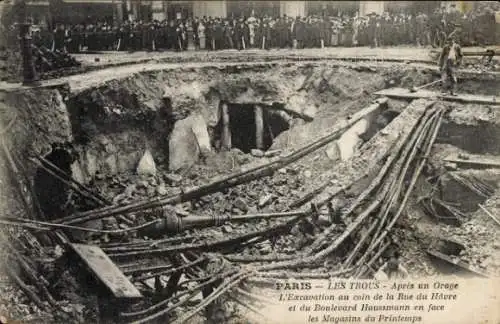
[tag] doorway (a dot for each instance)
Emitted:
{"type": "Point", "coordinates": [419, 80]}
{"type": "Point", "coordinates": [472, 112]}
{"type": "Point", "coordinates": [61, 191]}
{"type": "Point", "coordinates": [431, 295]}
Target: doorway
{"type": "Point", "coordinates": [179, 10]}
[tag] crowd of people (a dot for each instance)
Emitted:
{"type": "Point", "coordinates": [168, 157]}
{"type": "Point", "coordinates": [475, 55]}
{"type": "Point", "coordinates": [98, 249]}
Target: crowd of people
{"type": "Point", "coordinates": [214, 33]}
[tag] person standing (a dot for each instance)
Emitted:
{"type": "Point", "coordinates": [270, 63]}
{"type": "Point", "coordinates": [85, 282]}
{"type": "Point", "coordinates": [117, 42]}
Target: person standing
{"type": "Point", "coordinates": [59, 38]}
{"type": "Point", "coordinates": [201, 35]}
{"type": "Point", "coordinates": [449, 59]}
{"type": "Point", "coordinates": [196, 33]}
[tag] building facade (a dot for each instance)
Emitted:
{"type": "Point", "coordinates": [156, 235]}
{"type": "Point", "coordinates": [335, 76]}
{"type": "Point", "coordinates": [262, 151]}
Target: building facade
{"type": "Point", "coordinates": [71, 11]}
{"type": "Point", "coordinates": [89, 11]}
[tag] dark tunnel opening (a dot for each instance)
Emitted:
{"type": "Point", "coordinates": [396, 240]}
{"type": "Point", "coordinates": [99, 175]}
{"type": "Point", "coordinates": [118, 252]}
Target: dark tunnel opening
{"type": "Point", "coordinates": [244, 126]}
{"type": "Point", "coordinates": [52, 194]}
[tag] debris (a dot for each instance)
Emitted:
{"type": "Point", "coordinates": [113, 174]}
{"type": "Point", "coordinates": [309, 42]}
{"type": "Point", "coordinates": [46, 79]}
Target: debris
{"type": "Point", "coordinates": [146, 165]}
{"type": "Point", "coordinates": [227, 229]}
{"type": "Point", "coordinates": [264, 200]}
{"type": "Point", "coordinates": [142, 184]}
{"type": "Point", "coordinates": [332, 151]}
{"type": "Point", "coordinates": [172, 178]}
{"type": "Point", "coordinates": [188, 141]}
{"type": "Point", "coordinates": [323, 220]}
{"type": "Point", "coordinates": [272, 153]}
{"type": "Point", "coordinates": [487, 212]}
{"type": "Point", "coordinates": [109, 274]}
{"type": "Point", "coordinates": [240, 204]}
{"type": "Point", "coordinates": [257, 153]}
{"type": "Point", "coordinates": [161, 189]}
{"type": "Point", "coordinates": [199, 128]}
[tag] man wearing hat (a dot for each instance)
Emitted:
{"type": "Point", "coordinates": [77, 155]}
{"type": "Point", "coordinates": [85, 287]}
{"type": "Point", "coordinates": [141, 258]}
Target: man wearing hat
{"type": "Point", "coordinates": [450, 58]}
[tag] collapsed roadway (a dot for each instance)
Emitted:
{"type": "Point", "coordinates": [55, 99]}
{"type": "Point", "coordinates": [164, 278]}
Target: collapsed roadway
{"type": "Point", "coordinates": [194, 183]}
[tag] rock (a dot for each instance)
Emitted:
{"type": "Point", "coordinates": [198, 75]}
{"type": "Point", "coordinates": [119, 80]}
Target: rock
{"type": "Point", "coordinates": [199, 128]}
{"type": "Point", "coordinates": [161, 189]}
{"type": "Point", "coordinates": [153, 181]}
{"type": "Point", "coordinates": [264, 200]}
{"type": "Point", "coordinates": [272, 153]}
{"type": "Point", "coordinates": [282, 171]}
{"type": "Point", "coordinates": [237, 211]}
{"type": "Point", "coordinates": [299, 104]}
{"type": "Point", "coordinates": [119, 198]}
{"type": "Point", "coordinates": [151, 191]}
{"type": "Point", "coordinates": [110, 166]}
{"type": "Point", "coordinates": [128, 161]}
{"type": "Point", "coordinates": [173, 178]}
{"type": "Point", "coordinates": [77, 173]}
{"type": "Point", "coordinates": [332, 151]}
{"type": "Point", "coordinates": [146, 165]}
{"type": "Point", "coordinates": [237, 151]}
{"type": "Point", "coordinates": [109, 223]}
{"type": "Point", "coordinates": [110, 148]}
{"type": "Point", "coordinates": [281, 191]}
{"type": "Point", "coordinates": [180, 210]}
{"type": "Point", "coordinates": [227, 229]}
{"type": "Point", "coordinates": [185, 147]}
{"type": "Point", "coordinates": [257, 153]}
{"type": "Point", "coordinates": [90, 164]}
{"type": "Point", "coordinates": [130, 189]}
{"type": "Point", "coordinates": [307, 173]}
{"type": "Point", "coordinates": [265, 248]}
{"type": "Point", "coordinates": [252, 210]}
{"type": "Point", "coordinates": [142, 184]}
{"type": "Point", "coordinates": [240, 204]}
{"type": "Point", "coordinates": [351, 139]}
{"type": "Point", "coordinates": [323, 220]}
{"type": "Point", "coordinates": [451, 166]}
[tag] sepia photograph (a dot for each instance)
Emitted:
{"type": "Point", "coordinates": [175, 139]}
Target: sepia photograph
{"type": "Point", "coordinates": [249, 162]}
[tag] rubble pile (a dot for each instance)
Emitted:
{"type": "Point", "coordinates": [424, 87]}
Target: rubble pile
{"type": "Point", "coordinates": [268, 246]}
{"type": "Point", "coordinates": [48, 64]}
{"type": "Point", "coordinates": [481, 238]}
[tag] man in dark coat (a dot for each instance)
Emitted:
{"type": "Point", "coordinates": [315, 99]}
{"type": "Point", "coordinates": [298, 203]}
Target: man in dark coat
{"type": "Point", "coordinates": [299, 32]}
{"type": "Point", "coordinates": [450, 58]}
{"type": "Point", "coordinates": [59, 37]}
{"type": "Point", "coordinates": [196, 36]}
{"type": "Point", "coordinates": [218, 34]}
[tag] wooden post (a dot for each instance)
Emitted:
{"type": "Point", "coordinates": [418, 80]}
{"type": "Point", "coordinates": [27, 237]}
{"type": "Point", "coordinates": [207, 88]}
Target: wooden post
{"type": "Point", "coordinates": [226, 130]}
{"type": "Point", "coordinates": [259, 127]}
{"type": "Point", "coordinates": [30, 77]}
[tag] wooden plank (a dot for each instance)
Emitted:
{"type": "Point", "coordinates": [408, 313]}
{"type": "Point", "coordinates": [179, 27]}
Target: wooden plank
{"type": "Point", "coordinates": [106, 271]}
{"type": "Point", "coordinates": [455, 261]}
{"type": "Point", "coordinates": [487, 52]}
{"type": "Point", "coordinates": [473, 161]}
{"type": "Point", "coordinates": [401, 93]}
{"type": "Point", "coordinates": [45, 84]}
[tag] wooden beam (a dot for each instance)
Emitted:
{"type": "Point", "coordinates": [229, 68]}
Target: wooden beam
{"type": "Point", "coordinates": [478, 162]}
{"type": "Point", "coordinates": [401, 93]}
{"type": "Point", "coordinates": [226, 130]}
{"type": "Point", "coordinates": [456, 262]}
{"type": "Point", "coordinates": [106, 271]}
{"type": "Point", "coordinates": [488, 52]}
{"type": "Point", "coordinates": [275, 105]}
{"type": "Point", "coordinates": [259, 127]}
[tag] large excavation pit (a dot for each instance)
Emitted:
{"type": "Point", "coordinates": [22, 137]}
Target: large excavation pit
{"type": "Point", "coordinates": [182, 176]}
